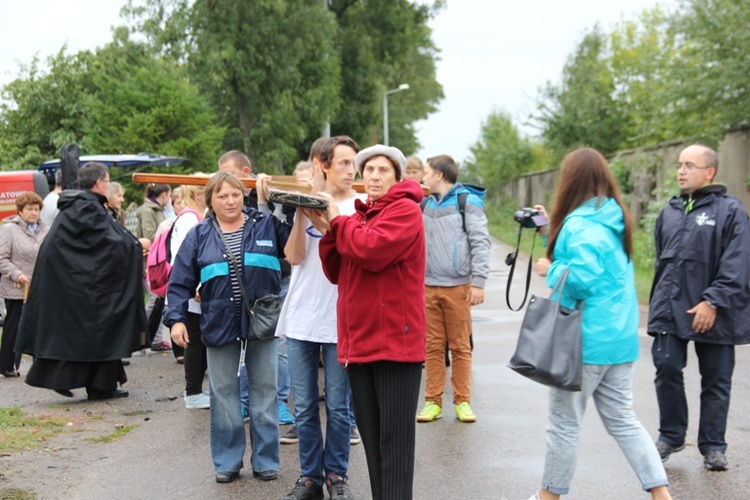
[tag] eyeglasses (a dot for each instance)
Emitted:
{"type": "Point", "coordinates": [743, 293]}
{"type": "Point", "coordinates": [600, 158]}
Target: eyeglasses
{"type": "Point", "coordinates": [688, 166]}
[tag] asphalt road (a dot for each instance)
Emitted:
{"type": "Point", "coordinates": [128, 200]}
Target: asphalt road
{"type": "Point", "coordinates": [499, 457]}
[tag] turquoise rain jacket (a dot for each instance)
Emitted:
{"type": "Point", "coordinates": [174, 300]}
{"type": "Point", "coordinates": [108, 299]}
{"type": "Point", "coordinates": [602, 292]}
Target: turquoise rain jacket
{"type": "Point", "coordinates": [601, 275]}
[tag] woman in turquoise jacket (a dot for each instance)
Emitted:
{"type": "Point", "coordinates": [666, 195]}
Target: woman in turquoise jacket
{"type": "Point", "coordinates": [590, 234]}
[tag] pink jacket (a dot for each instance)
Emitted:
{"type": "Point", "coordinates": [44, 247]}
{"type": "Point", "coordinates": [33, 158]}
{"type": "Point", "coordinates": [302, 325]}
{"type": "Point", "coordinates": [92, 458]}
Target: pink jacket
{"type": "Point", "coordinates": [377, 259]}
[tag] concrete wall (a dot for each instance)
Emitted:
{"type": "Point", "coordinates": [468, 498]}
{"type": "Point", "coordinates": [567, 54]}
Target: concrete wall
{"type": "Point", "coordinates": [651, 173]}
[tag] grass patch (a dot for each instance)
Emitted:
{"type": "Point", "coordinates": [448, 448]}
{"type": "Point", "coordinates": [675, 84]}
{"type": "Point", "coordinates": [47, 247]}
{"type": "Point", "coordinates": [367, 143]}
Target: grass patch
{"type": "Point", "coordinates": [16, 494]}
{"type": "Point", "coordinates": [505, 228]}
{"type": "Point", "coordinates": [111, 438]}
{"type": "Point", "coordinates": [137, 413]}
{"type": "Point", "coordinates": [19, 432]}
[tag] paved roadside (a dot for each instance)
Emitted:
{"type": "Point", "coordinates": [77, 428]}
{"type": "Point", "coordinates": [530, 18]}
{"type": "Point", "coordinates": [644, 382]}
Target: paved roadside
{"type": "Point", "coordinates": [499, 457]}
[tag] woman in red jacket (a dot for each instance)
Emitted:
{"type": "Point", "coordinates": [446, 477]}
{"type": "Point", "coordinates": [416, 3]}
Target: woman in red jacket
{"type": "Point", "coordinates": [377, 258]}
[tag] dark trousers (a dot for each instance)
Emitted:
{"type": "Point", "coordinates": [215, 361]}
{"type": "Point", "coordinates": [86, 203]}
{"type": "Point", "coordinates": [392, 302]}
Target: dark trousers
{"type": "Point", "coordinates": [716, 364]}
{"type": "Point", "coordinates": [12, 319]}
{"type": "Point", "coordinates": [195, 356]}
{"type": "Point", "coordinates": [385, 395]}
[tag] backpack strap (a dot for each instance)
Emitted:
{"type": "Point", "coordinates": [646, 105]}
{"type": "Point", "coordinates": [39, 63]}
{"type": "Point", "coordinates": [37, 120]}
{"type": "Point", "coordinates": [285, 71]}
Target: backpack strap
{"type": "Point", "coordinates": [461, 206]}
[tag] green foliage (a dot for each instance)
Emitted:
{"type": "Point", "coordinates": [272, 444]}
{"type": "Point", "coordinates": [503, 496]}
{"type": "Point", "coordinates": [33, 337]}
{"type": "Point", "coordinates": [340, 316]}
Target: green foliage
{"type": "Point", "coordinates": [142, 103]}
{"type": "Point", "coordinates": [276, 72]}
{"type": "Point", "coordinates": [382, 44]}
{"type": "Point", "coordinates": [119, 99]}
{"type": "Point", "coordinates": [657, 77]}
{"type": "Point", "coordinates": [582, 110]}
{"type": "Point", "coordinates": [39, 112]}
{"type": "Point", "coordinates": [501, 153]}
{"type": "Point", "coordinates": [711, 77]}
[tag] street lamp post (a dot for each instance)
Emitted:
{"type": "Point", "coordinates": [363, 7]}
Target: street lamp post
{"type": "Point", "coordinates": [403, 86]}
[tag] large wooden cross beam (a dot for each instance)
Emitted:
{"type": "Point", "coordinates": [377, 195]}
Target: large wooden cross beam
{"type": "Point", "coordinates": [201, 180]}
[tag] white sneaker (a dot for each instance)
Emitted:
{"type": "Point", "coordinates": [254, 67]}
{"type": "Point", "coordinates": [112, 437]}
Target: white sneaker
{"type": "Point", "coordinates": [197, 402]}
{"type": "Point", "coordinates": [535, 496]}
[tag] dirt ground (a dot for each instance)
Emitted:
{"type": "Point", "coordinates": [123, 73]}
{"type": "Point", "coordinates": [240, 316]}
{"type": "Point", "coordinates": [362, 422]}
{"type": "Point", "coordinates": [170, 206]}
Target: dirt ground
{"type": "Point", "coordinates": [53, 470]}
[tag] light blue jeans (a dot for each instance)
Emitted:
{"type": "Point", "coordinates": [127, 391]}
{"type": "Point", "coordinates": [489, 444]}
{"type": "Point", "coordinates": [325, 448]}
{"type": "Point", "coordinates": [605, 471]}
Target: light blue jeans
{"type": "Point", "coordinates": [611, 388]}
{"type": "Point", "coordinates": [227, 427]}
{"type": "Point", "coordinates": [284, 384]}
{"type": "Point", "coordinates": [317, 458]}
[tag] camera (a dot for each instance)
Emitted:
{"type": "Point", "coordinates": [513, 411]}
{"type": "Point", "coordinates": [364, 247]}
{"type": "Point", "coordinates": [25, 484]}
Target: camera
{"type": "Point", "coordinates": [530, 218]}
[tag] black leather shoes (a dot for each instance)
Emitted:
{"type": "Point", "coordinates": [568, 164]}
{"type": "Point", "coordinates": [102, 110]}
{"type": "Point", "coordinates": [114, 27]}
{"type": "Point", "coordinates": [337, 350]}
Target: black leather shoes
{"type": "Point", "coordinates": [117, 393]}
{"type": "Point", "coordinates": [227, 477]}
{"type": "Point", "coordinates": [266, 475]}
{"type": "Point", "coordinates": [64, 392]}
{"type": "Point", "coordinates": [9, 373]}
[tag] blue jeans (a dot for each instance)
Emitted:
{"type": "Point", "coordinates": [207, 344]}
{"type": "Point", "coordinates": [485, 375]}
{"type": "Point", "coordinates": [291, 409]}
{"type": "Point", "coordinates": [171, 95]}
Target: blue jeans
{"type": "Point", "coordinates": [282, 394]}
{"type": "Point", "coordinates": [318, 459]}
{"type": "Point", "coordinates": [284, 380]}
{"type": "Point", "coordinates": [716, 363]}
{"type": "Point", "coordinates": [611, 388]}
{"type": "Point", "coordinates": [227, 428]}
{"type": "Point", "coordinates": [283, 377]}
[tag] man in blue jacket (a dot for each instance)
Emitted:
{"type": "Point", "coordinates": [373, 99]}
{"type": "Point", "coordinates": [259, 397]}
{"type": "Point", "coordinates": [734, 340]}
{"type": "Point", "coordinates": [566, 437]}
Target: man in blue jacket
{"type": "Point", "coordinates": [701, 292]}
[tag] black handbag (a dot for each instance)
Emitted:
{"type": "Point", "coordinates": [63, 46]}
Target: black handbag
{"type": "Point", "coordinates": [264, 311]}
{"type": "Point", "coordinates": [549, 347]}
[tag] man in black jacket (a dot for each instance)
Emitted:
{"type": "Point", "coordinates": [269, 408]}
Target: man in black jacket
{"type": "Point", "coordinates": [85, 310]}
{"type": "Point", "coordinates": [701, 292]}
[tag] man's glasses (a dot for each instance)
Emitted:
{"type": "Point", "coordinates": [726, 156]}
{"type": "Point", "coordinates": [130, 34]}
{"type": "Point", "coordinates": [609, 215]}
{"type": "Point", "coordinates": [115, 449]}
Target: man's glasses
{"type": "Point", "coordinates": [688, 166]}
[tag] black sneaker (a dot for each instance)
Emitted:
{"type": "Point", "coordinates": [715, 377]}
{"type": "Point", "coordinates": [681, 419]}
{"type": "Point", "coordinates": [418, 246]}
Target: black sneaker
{"type": "Point", "coordinates": [665, 450]}
{"type": "Point", "coordinates": [305, 489]}
{"type": "Point", "coordinates": [290, 437]}
{"type": "Point", "coordinates": [338, 487]}
{"type": "Point", "coordinates": [715, 460]}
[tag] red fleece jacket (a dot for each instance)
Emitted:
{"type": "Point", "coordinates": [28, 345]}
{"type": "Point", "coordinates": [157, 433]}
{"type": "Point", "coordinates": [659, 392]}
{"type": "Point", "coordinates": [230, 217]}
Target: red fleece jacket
{"type": "Point", "coordinates": [377, 258]}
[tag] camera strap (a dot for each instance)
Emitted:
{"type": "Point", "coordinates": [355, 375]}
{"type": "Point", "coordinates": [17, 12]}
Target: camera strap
{"type": "Point", "coordinates": [511, 261]}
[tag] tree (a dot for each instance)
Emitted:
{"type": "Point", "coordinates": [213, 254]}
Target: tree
{"type": "Point", "coordinates": [384, 43]}
{"type": "Point", "coordinates": [642, 55]}
{"type": "Point", "coordinates": [39, 112]}
{"type": "Point", "coordinates": [268, 67]}
{"type": "Point", "coordinates": [119, 98]}
{"type": "Point", "coordinates": [582, 110]}
{"type": "Point", "coordinates": [711, 78]}
{"type": "Point", "coordinates": [276, 72]}
{"type": "Point", "coordinates": [501, 153]}
{"type": "Point", "coordinates": [138, 102]}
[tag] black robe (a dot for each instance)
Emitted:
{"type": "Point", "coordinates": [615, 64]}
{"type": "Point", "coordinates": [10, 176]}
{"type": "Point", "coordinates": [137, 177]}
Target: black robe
{"type": "Point", "coordinates": [85, 310]}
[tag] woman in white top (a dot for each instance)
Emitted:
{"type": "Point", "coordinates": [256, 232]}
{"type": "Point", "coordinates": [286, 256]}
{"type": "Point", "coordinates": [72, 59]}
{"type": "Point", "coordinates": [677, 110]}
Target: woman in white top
{"type": "Point", "coordinates": [193, 211]}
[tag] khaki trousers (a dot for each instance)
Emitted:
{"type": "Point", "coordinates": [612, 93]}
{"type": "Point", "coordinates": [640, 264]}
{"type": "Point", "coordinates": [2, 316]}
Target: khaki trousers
{"type": "Point", "coordinates": [448, 321]}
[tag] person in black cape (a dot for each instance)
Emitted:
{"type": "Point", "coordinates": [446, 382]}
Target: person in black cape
{"type": "Point", "coordinates": [85, 310]}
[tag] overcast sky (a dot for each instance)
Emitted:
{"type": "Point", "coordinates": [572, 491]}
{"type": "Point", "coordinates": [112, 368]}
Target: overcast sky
{"type": "Point", "coordinates": [495, 54]}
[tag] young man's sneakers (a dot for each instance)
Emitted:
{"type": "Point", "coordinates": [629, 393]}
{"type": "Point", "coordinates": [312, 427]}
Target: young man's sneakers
{"type": "Point", "coordinates": [338, 487]}
{"type": "Point", "coordinates": [290, 437]}
{"type": "Point", "coordinates": [305, 489]}
{"type": "Point", "coordinates": [430, 412]}
{"type": "Point", "coordinates": [285, 417]}
{"type": "Point", "coordinates": [464, 413]}
{"type": "Point", "coordinates": [354, 437]}
{"type": "Point", "coordinates": [715, 460]}
{"type": "Point", "coordinates": [200, 401]}
{"type": "Point", "coordinates": [665, 450]}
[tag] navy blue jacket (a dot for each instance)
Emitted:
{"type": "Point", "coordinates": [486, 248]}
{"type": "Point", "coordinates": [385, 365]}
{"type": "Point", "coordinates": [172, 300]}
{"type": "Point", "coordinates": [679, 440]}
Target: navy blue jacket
{"type": "Point", "coordinates": [702, 253]}
{"type": "Point", "coordinates": [202, 259]}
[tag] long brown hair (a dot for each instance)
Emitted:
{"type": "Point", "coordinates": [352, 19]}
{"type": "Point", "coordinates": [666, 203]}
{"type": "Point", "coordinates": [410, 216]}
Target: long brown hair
{"type": "Point", "coordinates": [585, 174]}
